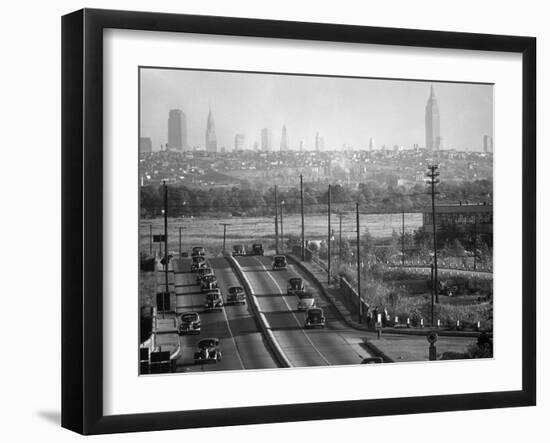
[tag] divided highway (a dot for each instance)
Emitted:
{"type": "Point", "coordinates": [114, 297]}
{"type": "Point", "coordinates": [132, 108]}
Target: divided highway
{"type": "Point", "coordinates": [336, 344]}
{"type": "Point", "coordinates": [241, 341]}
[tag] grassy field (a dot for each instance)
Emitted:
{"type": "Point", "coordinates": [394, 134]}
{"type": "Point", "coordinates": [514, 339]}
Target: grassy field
{"type": "Point", "coordinates": [208, 231]}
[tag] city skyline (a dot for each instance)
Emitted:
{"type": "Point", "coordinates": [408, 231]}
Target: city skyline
{"type": "Point", "coordinates": [348, 111]}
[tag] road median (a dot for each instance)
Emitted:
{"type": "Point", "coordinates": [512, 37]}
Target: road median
{"type": "Point", "coordinates": [276, 350]}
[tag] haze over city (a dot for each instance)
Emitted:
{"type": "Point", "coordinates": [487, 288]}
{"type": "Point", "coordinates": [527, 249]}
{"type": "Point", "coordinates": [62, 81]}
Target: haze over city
{"type": "Point", "coordinates": [344, 111]}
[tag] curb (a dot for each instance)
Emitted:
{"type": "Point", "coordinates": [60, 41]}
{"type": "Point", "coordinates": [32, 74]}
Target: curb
{"type": "Point", "coordinates": [374, 350]}
{"type": "Point", "coordinates": [264, 325]}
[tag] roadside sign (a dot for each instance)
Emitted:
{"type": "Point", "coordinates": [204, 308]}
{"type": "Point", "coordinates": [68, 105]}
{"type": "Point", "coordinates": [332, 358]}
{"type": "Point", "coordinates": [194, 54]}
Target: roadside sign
{"type": "Point", "coordinates": [159, 238]}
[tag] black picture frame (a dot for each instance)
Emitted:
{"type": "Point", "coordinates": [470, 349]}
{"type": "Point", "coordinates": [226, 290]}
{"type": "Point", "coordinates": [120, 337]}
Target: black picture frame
{"type": "Point", "coordinates": [82, 218]}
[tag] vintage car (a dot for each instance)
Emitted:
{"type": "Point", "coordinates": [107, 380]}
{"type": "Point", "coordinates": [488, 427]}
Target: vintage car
{"type": "Point", "coordinates": [190, 323]}
{"type": "Point", "coordinates": [198, 262]}
{"type": "Point", "coordinates": [235, 295]}
{"type": "Point", "coordinates": [257, 249]}
{"type": "Point", "coordinates": [209, 282]}
{"type": "Point", "coordinates": [238, 250]}
{"type": "Point", "coordinates": [315, 318]}
{"type": "Point", "coordinates": [208, 351]}
{"type": "Point", "coordinates": [198, 251]}
{"type": "Point", "coordinates": [214, 301]}
{"type": "Point", "coordinates": [295, 286]}
{"type": "Point", "coordinates": [279, 262]}
{"type": "Point", "coordinates": [305, 302]}
{"type": "Point", "coordinates": [203, 272]}
{"type": "Point", "coordinates": [371, 360]}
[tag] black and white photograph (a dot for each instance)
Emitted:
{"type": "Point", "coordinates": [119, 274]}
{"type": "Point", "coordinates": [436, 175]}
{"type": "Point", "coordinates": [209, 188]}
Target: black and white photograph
{"type": "Point", "coordinates": [242, 221]}
{"type": "Point", "coordinates": [291, 221]}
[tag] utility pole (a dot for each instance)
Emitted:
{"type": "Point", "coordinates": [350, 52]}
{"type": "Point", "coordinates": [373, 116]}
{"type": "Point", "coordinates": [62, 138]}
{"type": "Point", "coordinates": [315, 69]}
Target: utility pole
{"type": "Point", "coordinates": [282, 232]}
{"type": "Point", "coordinates": [276, 222]}
{"type": "Point", "coordinates": [475, 242]}
{"type": "Point", "coordinates": [224, 230]}
{"type": "Point", "coordinates": [167, 290]}
{"type": "Point", "coordinates": [402, 236]}
{"type": "Point", "coordinates": [180, 228]}
{"type": "Point", "coordinates": [151, 239]}
{"type": "Point", "coordinates": [328, 239]}
{"type": "Point", "coordinates": [303, 243]}
{"type": "Point", "coordinates": [433, 176]}
{"type": "Point", "coordinates": [433, 292]}
{"type": "Point", "coordinates": [340, 237]}
{"type": "Point", "coordinates": [358, 253]}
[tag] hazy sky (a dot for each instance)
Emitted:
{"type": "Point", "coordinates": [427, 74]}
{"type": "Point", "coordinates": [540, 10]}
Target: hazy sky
{"type": "Point", "coordinates": [344, 110]}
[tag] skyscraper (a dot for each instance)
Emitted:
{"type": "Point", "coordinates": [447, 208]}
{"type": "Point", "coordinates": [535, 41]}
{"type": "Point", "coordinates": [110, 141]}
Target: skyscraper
{"type": "Point", "coordinates": [145, 145]}
{"type": "Point", "coordinates": [210, 137]}
{"type": "Point", "coordinates": [284, 140]}
{"type": "Point", "coordinates": [317, 144]}
{"type": "Point", "coordinates": [266, 139]}
{"type": "Point", "coordinates": [371, 144]}
{"type": "Point", "coordinates": [433, 139]}
{"type": "Point", "coordinates": [177, 130]}
{"type": "Point", "coordinates": [239, 142]}
{"type": "Point", "coordinates": [487, 143]}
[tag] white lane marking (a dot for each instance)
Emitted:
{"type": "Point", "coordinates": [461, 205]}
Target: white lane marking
{"type": "Point", "coordinates": [233, 337]}
{"type": "Point", "coordinates": [292, 312]}
{"type": "Point", "coordinates": [230, 331]}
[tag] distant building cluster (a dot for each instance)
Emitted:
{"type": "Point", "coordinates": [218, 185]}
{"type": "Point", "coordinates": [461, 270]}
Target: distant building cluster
{"type": "Point", "coordinates": [258, 168]}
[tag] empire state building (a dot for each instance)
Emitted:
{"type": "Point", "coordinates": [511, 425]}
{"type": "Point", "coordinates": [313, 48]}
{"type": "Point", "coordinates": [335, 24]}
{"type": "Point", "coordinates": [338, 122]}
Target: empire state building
{"type": "Point", "coordinates": [433, 139]}
{"type": "Point", "coordinates": [210, 137]}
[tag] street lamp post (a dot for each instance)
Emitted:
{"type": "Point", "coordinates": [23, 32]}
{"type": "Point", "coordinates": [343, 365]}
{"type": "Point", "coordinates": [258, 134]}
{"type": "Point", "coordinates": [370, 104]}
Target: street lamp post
{"type": "Point", "coordinates": [433, 180]}
{"type": "Point", "coordinates": [180, 228]}
{"type": "Point", "coordinates": [167, 289]}
{"type": "Point", "coordinates": [276, 222]}
{"type": "Point", "coordinates": [282, 231]}
{"type": "Point", "coordinates": [358, 264]}
{"type": "Point", "coordinates": [302, 243]}
{"type": "Point", "coordinates": [224, 231]}
{"type": "Point", "coordinates": [328, 239]}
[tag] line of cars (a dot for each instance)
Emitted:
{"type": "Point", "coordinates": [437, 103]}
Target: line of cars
{"type": "Point", "coordinates": [306, 302]}
{"type": "Point", "coordinates": [207, 350]}
{"type": "Point", "coordinates": [240, 250]}
{"type": "Point", "coordinates": [315, 317]}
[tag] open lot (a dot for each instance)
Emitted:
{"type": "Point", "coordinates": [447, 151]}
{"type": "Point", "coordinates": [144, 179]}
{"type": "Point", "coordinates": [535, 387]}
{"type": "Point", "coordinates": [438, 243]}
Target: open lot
{"type": "Point", "coordinates": [208, 230]}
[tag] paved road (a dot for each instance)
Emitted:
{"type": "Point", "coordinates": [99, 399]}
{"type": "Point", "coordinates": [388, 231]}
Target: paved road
{"type": "Point", "coordinates": [241, 342]}
{"type": "Point", "coordinates": [336, 344]}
